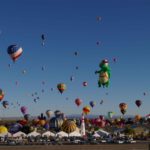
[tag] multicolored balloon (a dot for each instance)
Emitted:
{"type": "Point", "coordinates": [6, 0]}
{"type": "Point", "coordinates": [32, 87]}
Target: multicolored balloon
{"type": "Point", "coordinates": [123, 107]}
{"type": "Point", "coordinates": [61, 87]}
{"type": "Point", "coordinates": [86, 110]}
{"type": "Point", "coordinates": [104, 73]}
{"type": "Point", "coordinates": [14, 51]}
{"type": "Point", "coordinates": [110, 114]}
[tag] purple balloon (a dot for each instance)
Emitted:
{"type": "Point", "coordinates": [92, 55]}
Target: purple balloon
{"type": "Point", "coordinates": [23, 110]}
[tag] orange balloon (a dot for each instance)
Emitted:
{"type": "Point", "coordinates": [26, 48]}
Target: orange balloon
{"type": "Point", "coordinates": [86, 110]}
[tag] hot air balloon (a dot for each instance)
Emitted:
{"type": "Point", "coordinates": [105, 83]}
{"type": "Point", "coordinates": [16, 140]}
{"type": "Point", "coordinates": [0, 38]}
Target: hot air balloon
{"type": "Point", "coordinates": [15, 128]}
{"type": "Point", "coordinates": [24, 71]}
{"type": "Point", "coordinates": [138, 103]}
{"type": "Point", "coordinates": [49, 113]}
{"type": "Point", "coordinates": [71, 78]}
{"type": "Point", "coordinates": [43, 39]}
{"type": "Point", "coordinates": [23, 110]}
{"type": "Point", "coordinates": [85, 83]}
{"type": "Point", "coordinates": [78, 101]}
{"type": "Point", "coordinates": [98, 18]}
{"type": "Point", "coordinates": [114, 60]}
{"type": "Point", "coordinates": [77, 67]}
{"type": "Point", "coordinates": [52, 89]}
{"type": "Point", "coordinates": [92, 103]}
{"type": "Point", "coordinates": [69, 126]}
{"type": "Point", "coordinates": [104, 73]}
{"type": "Point", "coordinates": [123, 107]}
{"type": "Point", "coordinates": [5, 104]}
{"type": "Point", "coordinates": [56, 123]}
{"type": "Point", "coordinates": [3, 130]}
{"type": "Point", "coordinates": [110, 114]}
{"type": "Point", "coordinates": [43, 82]}
{"type": "Point", "coordinates": [101, 102]}
{"type": "Point", "coordinates": [61, 87]}
{"type": "Point", "coordinates": [43, 68]}
{"type": "Point", "coordinates": [9, 65]}
{"type": "Point", "coordinates": [98, 42]}
{"type": "Point", "coordinates": [58, 114]}
{"type": "Point", "coordinates": [101, 117]}
{"type": "Point", "coordinates": [26, 116]}
{"type": "Point", "coordinates": [137, 118]}
{"type": "Point", "coordinates": [86, 110]}
{"type": "Point", "coordinates": [35, 100]}
{"type": "Point", "coordinates": [76, 53]}
{"type": "Point", "coordinates": [1, 94]}
{"type": "Point", "coordinates": [14, 51]}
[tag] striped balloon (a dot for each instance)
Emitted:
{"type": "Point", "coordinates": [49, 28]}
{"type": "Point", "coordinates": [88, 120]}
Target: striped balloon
{"type": "Point", "coordinates": [68, 126]}
{"type": "Point", "coordinates": [61, 87]}
{"type": "Point", "coordinates": [14, 51]}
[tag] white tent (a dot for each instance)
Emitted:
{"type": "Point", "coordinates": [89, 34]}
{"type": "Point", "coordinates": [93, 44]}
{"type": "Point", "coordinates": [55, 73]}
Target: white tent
{"type": "Point", "coordinates": [102, 132]}
{"type": "Point", "coordinates": [34, 133]}
{"type": "Point", "coordinates": [19, 134]}
{"type": "Point", "coordinates": [5, 134]}
{"type": "Point", "coordinates": [48, 133]}
{"type": "Point", "coordinates": [96, 135]}
{"type": "Point", "coordinates": [62, 134]}
{"type": "Point", "coordinates": [75, 134]}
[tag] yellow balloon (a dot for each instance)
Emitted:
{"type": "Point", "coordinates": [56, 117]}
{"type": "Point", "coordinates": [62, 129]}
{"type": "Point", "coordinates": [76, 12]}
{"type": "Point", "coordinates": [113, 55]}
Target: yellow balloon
{"type": "Point", "coordinates": [3, 129]}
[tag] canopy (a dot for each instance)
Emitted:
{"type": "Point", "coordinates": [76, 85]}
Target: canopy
{"type": "Point", "coordinates": [102, 132]}
{"type": "Point", "coordinates": [19, 134]}
{"type": "Point", "coordinates": [96, 135]}
{"type": "Point", "coordinates": [75, 134]}
{"type": "Point", "coordinates": [62, 134]}
{"type": "Point", "coordinates": [48, 133]}
{"type": "Point", "coordinates": [34, 133]}
{"type": "Point", "coordinates": [5, 134]}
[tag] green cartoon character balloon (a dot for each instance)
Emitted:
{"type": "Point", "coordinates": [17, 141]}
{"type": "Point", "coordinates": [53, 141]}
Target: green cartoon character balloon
{"type": "Point", "coordinates": [104, 73]}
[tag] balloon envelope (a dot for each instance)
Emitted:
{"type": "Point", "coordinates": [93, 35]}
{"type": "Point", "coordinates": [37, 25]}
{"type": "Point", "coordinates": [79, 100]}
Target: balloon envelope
{"type": "Point", "coordinates": [85, 83]}
{"type": "Point", "coordinates": [5, 104]}
{"type": "Point", "coordinates": [61, 87]}
{"type": "Point", "coordinates": [86, 110]}
{"type": "Point", "coordinates": [78, 101]}
{"type": "Point", "coordinates": [138, 103]}
{"type": "Point", "coordinates": [49, 113]}
{"type": "Point", "coordinates": [1, 94]}
{"type": "Point", "coordinates": [23, 110]}
{"type": "Point", "coordinates": [14, 51]}
{"type": "Point", "coordinates": [92, 103]}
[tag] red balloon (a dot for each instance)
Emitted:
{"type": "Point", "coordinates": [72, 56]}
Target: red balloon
{"type": "Point", "coordinates": [78, 101]}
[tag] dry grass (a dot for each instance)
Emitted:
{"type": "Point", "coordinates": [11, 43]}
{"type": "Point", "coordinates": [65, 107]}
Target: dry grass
{"type": "Point", "coordinates": [80, 147]}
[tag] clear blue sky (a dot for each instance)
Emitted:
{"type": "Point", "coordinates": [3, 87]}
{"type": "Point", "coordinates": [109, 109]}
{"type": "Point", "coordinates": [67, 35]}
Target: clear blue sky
{"type": "Point", "coordinates": [69, 26]}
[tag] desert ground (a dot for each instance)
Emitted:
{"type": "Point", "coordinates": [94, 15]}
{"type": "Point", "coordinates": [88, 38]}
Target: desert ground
{"type": "Point", "coordinates": [143, 146]}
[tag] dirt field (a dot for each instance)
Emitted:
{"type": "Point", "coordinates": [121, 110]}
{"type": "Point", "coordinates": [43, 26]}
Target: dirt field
{"type": "Point", "coordinates": [80, 147]}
